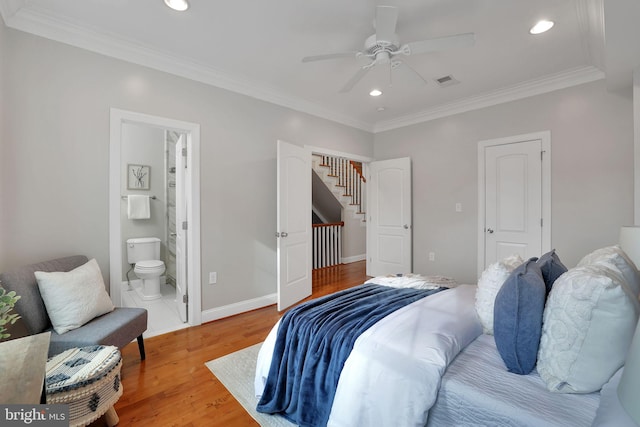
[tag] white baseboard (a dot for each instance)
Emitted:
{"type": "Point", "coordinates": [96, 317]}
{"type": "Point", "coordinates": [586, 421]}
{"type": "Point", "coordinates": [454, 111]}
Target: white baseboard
{"type": "Point", "coordinates": [355, 258]}
{"type": "Point", "coordinates": [237, 308]}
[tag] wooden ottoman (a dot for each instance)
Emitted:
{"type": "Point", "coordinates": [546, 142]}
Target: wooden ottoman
{"type": "Point", "coordinates": [87, 379]}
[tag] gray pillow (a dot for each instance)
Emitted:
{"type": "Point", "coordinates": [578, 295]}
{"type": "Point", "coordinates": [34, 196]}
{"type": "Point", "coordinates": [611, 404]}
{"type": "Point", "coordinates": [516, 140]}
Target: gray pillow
{"type": "Point", "coordinates": [551, 268]}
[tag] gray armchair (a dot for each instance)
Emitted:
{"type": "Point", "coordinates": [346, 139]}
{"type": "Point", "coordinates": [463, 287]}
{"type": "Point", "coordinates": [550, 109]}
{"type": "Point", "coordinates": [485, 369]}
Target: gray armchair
{"type": "Point", "coordinates": [117, 328]}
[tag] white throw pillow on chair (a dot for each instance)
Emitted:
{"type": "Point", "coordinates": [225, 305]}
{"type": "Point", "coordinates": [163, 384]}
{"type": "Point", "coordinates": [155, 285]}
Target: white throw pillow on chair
{"type": "Point", "coordinates": [74, 298]}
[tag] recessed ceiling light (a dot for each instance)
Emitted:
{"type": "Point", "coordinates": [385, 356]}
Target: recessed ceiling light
{"type": "Point", "coordinates": [375, 92]}
{"type": "Point", "coordinates": [179, 5]}
{"type": "Point", "coordinates": [541, 27]}
{"type": "Point", "coordinates": [380, 109]}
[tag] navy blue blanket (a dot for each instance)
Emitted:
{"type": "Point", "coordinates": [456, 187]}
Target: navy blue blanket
{"type": "Point", "coordinates": [313, 342]}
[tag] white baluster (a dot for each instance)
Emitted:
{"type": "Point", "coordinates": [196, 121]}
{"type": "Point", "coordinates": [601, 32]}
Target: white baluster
{"type": "Point", "coordinates": [339, 245]}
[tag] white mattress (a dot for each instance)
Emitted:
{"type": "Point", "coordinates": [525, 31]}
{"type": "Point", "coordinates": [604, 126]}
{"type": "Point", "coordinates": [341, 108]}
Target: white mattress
{"type": "Point", "coordinates": [477, 390]}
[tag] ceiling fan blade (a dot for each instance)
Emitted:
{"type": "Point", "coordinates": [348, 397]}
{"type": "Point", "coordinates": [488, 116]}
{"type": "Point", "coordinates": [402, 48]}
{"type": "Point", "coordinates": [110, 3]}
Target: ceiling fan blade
{"type": "Point", "coordinates": [386, 19]}
{"type": "Point", "coordinates": [355, 79]}
{"type": "Point", "coordinates": [330, 56]}
{"type": "Point", "coordinates": [441, 43]}
{"type": "Point", "coordinates": [397, 64]}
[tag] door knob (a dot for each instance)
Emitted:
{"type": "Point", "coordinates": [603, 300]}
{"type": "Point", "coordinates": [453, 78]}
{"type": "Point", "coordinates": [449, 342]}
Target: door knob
{"type": "Point", "coordinates": [406, 227]}
{"type": "Point", "coordinates": [490, 230]}
{"type": "Point", "coordinates": [283, 234]}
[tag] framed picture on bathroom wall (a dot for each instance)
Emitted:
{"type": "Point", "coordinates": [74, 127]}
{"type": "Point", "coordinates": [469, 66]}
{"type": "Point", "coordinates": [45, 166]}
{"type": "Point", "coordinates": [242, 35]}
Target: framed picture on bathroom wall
{"type": "Point", "coordinates": [138, 177]}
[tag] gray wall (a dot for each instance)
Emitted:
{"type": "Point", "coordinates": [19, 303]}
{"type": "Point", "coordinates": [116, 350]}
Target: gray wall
{"type": "Point", "coordinates": [57, 100]}
{"type": "Point", "coordinates": [636, 136]}
{"type": "Point", "coordinates": [323, 199]}
{"type": "Point", "coordinates": [355, 236]}
{"type": "Point", "coordinates": [4, 178]}
{"type": "Point", "coordinates": [592, 173]}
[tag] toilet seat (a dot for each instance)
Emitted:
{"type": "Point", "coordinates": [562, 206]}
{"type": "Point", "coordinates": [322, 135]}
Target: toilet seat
{"type": "Point", "coordinates": [149, 264]}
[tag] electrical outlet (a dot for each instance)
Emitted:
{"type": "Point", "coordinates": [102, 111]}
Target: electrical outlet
{"type": "Point", "coordinates": [213, 278]}
{"type": "Point", "coordinates": [432, 256]}
{"type": "Point", "coordinates": [458, 207]}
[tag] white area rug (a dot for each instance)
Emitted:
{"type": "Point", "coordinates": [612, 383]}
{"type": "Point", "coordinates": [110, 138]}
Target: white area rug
{"type": "Point", "coordinates": [236, 371]}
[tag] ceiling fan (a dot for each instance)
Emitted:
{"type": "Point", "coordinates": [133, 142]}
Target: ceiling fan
{"type": "Point", "coordinates": [384, 46]}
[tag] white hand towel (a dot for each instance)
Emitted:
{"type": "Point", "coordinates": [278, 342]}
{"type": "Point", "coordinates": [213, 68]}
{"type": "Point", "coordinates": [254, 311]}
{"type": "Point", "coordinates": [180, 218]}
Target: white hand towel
{"type": "Point", "coordinates": [138, 207]}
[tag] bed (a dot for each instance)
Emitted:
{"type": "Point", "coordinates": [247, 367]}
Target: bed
{"type": "Point", "coordinates": [429, 363]}
{"type": "Point", "coordinates": [477, 390]}
{"type": "Point", "coordinates": [391, 376]}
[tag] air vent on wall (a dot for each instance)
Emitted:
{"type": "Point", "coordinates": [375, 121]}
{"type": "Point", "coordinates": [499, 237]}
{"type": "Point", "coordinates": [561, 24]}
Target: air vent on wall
{"type": "Point", "coordinates": [446, 81]}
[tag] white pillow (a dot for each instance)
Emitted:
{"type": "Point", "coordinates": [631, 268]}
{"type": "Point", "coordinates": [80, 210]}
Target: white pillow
{"type": "Point", "coordinates": [588, 324]}
{"type": "Point", "coordinates": [74, 298]}
{"type": "Point", "coordinates": [489, 284]}
{"type": "Point", "coordinates": [616, 256]}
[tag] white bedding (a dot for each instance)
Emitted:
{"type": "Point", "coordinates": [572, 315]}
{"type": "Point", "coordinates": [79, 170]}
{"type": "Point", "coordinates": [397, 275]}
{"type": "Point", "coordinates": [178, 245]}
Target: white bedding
{"type": "Point", "coordinates": [477, 390]}
{"type": "Point", "coordinates": [416, 281]}
{"type": "Point", "coordinates": [393, 373]}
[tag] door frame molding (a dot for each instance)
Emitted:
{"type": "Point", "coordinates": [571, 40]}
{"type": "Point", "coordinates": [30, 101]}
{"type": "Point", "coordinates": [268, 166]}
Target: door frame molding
{"type": "Point", "coordinates": [545, 138]}
{"type": "Point", "coordinates": [119, 117]}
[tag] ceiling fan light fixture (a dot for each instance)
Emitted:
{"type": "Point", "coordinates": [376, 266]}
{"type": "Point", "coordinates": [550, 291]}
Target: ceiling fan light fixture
{"type": "Point", "coordinates": [541, 27]}
{"type": "Point", "coordinates": [179, 5]}
{"type": "Point", "coordinates": [375, 92]}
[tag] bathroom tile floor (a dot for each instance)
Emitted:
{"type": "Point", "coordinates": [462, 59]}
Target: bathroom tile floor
{"type": "Point", "coordinates": [163, 313]}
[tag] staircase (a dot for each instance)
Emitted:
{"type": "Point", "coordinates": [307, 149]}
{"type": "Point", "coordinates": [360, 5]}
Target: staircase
{"type": "Point", "coordinates": [345, 180]}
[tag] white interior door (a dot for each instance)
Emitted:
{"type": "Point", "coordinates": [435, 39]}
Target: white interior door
{"type": "Point", "coordinates": [293, 224]}
{"type": "Point", "coordinates": [513, 200]}
{"type": "Point", "coordinates": [181, 233]}
{"type": "Point", "coordinates": [389, 239]}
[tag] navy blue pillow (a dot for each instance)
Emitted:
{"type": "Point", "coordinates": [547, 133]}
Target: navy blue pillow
{"type": "Point", "coordinates": [517, 317]}
{"type": "Point", "coordinates": [551, 268]}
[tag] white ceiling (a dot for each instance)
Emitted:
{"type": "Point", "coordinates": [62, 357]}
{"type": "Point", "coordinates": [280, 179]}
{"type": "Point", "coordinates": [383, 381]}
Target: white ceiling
{"type": "Point", "coordinates": [256, 47]}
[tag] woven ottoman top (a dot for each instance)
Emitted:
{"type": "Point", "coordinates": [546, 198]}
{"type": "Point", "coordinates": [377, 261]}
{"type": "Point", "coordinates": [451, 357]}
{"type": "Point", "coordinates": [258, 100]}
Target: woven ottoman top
{"type": "Point", "coordinates": [79, 367]}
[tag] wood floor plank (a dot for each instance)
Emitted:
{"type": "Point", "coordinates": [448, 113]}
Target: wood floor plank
{"type": "Point", "coordinates": [173, 387]}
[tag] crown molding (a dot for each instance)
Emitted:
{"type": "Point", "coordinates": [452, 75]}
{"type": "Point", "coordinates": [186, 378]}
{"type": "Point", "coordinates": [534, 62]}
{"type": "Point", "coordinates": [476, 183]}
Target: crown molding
{"type": "Point", "coordinates": [590, 14]}
{"type": "Point", "coordinates": [512, 93]}
{"type": "Point", "coordinates": [34, 21]}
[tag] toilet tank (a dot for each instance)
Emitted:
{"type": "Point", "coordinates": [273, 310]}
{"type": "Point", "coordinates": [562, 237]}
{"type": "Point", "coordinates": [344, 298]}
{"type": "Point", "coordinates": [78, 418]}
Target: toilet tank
{"type": "Point", "coordinates": [143, 249]}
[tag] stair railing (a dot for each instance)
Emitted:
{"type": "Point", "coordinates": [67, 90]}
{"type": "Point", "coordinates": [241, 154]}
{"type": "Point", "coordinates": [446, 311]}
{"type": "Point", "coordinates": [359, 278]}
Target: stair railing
{"type": "Point", "coordinates": [327, 244]}
{"type": "Point", "coordinates": [349, 176]}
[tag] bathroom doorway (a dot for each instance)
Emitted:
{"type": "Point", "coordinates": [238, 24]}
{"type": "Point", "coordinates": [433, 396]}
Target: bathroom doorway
{"type": "Point", "coordinates": [167, 150]}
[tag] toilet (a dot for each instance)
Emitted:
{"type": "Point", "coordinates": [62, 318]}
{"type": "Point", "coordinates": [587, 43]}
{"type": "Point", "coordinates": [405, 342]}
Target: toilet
{"type": "Point", "coordinates": [144, 252]}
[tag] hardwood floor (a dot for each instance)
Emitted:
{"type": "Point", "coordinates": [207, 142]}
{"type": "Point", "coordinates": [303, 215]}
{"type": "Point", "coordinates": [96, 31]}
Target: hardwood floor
{"type": "Point", "coordinates": [173, 387]}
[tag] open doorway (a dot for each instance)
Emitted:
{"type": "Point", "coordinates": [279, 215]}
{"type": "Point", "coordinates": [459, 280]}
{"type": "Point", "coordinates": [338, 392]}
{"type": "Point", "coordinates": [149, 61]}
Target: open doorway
{"type": "Point", "coordinates": [388, 218]}
{"type": "Point", "coordinates": [173, 198]}
{"type": "Point", "coordinates": [338, 206]}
